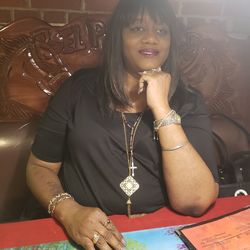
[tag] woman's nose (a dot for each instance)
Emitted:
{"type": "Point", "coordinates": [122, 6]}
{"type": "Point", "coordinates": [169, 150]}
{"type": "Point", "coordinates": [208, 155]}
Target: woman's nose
{"type": "Point", "coordinates": [150, 36]}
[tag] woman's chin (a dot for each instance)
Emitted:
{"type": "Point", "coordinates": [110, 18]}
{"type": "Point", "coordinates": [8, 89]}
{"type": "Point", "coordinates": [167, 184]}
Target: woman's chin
{"type": "Point", "coordinates": [150, 67]}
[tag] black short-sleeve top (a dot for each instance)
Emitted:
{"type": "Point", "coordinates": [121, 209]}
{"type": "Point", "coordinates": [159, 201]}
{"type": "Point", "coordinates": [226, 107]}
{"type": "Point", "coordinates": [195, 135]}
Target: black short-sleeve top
{"type": "Point", "coordinates": [91, 147]}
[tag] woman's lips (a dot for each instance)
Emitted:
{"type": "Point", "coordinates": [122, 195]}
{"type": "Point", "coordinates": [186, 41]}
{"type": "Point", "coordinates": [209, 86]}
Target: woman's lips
{"type": "Point", "coordinates": [149, 52]}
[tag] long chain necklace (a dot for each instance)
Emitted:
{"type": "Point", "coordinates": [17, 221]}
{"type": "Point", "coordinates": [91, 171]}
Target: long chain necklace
{"type": "Point", "coordinates": [129, 185]}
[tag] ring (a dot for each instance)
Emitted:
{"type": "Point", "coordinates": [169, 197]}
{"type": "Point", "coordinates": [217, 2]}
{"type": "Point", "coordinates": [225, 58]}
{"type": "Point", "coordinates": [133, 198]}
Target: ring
{"type": "Point", "coordinates": [150, 70]}
{"type": "Point", "coordinates": [107, 223]}
{"type": "Point", "coordinates": [96, 237]}
{"type": "Point", "coordinates": [156, 69]}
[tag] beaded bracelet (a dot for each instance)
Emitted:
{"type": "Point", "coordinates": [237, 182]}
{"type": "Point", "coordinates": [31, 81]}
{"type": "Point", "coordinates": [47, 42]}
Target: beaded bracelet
{"type": "Point", "coordinates": [56, 200]}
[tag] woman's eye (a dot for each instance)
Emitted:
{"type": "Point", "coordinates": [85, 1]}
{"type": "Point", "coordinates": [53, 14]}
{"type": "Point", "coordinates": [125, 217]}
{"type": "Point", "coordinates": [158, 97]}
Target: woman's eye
{"type": "Point", "coordinates": [137, 29]}
{"type": "Point", "coordinates": [162, 31]}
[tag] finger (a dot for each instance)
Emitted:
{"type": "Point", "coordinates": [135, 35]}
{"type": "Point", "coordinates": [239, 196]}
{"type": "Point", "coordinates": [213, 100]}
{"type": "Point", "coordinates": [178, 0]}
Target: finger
{"type": "Point", "coordinates": [118, 235]}
{"type": "Point", "coordinates": [142, 85]}
{"type": "Point", "coordinates": [110, 233]}
{"type": "Point", "coordinates": [108, 224]}
{"type": "Point", "coordinates": [103, 245]}
{"type": "Point", "coordinates": [111, 227]}
{"type": "Point", "coordinates": [87, 243]}
{"type": "Point", "coordinates": [111, 237]}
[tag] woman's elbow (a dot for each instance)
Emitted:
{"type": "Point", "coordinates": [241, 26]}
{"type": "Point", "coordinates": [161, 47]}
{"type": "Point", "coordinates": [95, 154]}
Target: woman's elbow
{"type": "Point", "coordinates": [194, 210]}
{"type": "Point", "coordinates": [198, 205]}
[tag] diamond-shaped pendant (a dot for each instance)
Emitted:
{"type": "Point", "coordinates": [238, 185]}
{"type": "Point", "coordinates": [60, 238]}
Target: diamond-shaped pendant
{"type": "Point", "coordinates": [129, 185]}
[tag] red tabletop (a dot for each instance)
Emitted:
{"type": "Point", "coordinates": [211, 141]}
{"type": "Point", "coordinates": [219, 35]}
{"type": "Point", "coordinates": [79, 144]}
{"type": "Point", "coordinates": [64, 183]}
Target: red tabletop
{"type": "Point", "coordinates": [47, 230]}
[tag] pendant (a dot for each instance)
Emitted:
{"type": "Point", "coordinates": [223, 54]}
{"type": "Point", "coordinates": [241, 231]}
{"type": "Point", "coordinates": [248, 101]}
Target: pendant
{"type": "Point", "coordinates": [129, 185]}
{"type": "Point", "coordinates": [132, 168]}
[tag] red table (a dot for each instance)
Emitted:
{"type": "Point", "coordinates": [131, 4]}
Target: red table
{"type": "Point", "coordinates": [47, 230]}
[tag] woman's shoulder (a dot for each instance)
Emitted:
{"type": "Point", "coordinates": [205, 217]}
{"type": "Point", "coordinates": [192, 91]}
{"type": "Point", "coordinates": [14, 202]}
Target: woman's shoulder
{"type": "Point", "coordinates": [84, 79]}
{"type": "Point", "coordinates": [84, 73]}
{"type": "Point", "coordinates": [80, 82]}
{"type": "Point", "coordinates": [188, 100]}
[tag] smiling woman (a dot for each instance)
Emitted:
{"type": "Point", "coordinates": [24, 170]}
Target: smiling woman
{"type": "Point", "coordinates": [146, 44]}
{"type": "Point", "coordinates": [95, 153]}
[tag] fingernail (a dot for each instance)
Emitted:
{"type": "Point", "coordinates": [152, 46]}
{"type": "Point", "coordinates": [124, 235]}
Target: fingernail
{"type": "Point", "coordinates": [140, 91]}
{"type": "Point", "coordinates": [124, 242]}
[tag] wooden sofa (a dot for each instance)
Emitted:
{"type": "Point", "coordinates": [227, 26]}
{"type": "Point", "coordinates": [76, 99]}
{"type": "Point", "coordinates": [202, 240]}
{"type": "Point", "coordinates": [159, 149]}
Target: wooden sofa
{"type": "Point", "coordinates": [36, 57]}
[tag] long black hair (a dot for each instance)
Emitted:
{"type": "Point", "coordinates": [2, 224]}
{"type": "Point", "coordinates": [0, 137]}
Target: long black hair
{"type": "Point", "coordinates": [111, 83]}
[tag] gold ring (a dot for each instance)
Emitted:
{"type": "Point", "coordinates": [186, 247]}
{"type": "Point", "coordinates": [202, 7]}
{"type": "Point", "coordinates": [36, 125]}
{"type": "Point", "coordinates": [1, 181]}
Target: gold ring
{"type": "Point", "coordinates": [107, 223]}
{"type": "Point", "coordinates": [96, 237]}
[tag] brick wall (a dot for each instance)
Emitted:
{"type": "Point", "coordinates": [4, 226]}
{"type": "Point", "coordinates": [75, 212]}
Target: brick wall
{"type": "Point", "coordinates": [233, 15]}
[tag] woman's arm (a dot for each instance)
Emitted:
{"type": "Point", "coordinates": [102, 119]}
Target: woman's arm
{"type": "Point", "coordinates": [80, 222]}
{"type": "Point", "coordinates": [189, 182]}
{"type": "Point", "coordinates": [42, 179]}
{"type": "Point", "coordinates": [190, 185]}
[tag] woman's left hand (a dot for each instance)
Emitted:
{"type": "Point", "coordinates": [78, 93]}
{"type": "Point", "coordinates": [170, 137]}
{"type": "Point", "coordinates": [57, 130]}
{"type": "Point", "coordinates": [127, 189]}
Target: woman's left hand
{"type": "Point", "coordinates": [156, 84]}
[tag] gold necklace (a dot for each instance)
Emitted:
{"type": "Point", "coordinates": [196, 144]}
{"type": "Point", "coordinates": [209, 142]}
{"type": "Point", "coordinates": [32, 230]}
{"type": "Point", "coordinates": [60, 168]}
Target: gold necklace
{"type": "Point", "coordinates": [129, 185]}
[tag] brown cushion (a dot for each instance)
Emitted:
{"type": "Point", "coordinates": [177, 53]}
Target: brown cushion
{"type": "Point", "coordinates": [15, 143]}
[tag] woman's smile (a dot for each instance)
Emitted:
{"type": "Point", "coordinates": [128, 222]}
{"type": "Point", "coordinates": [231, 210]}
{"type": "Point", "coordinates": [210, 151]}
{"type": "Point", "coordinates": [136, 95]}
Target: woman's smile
{"type": "Point", "coordinates": [149, 52]}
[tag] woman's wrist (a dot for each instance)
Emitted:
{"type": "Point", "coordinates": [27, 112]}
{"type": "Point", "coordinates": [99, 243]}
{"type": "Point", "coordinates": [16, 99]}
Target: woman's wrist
{"type": "Point", "coordinates": [56, 200]}
{"type": "Point", "coordinates": [64, 208]}
{"type": "Point", "coordinates": [160, 112]}
{"type": "Point", "coordinates": [170, 118]}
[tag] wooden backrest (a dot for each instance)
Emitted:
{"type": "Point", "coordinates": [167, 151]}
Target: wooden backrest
{"type": "Point", "coordinates": [36, 57]}
{"type": "Point", "coordinates": [218, 66]}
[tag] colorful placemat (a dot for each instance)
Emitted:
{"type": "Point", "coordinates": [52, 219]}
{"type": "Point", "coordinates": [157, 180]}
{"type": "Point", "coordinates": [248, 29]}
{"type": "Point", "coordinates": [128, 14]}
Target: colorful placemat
{"type": "Point", "coordinates": [150, 239]}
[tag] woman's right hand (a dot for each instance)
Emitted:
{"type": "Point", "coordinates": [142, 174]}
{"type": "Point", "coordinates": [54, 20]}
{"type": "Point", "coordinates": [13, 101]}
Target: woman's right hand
{"type": "Point", "coordinates": [85, 225]}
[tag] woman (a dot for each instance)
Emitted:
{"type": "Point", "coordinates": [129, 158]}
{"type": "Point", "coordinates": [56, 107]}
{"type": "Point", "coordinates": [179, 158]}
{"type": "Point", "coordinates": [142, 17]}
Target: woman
{"type": "Point", "coordinates": [110, 141]}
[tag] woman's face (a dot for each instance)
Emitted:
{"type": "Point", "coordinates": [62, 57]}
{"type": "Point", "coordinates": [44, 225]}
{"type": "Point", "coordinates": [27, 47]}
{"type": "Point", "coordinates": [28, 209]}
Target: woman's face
{"type": "Point", "coordinates": [146, 44]}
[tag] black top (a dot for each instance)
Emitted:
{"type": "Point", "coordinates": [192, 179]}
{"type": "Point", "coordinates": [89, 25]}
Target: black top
{"type": "Point", "coordinates": [91, 147]}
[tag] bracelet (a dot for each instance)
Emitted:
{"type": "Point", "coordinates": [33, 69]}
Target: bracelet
{"type": "Point", "coordinates": [176, 147]}
{"type": "Point", "coordinates": [171, 118]}
{"type": "Point", "coordinates": [56, 200]}
{"type": "Point", "coordinates": [157, 123]}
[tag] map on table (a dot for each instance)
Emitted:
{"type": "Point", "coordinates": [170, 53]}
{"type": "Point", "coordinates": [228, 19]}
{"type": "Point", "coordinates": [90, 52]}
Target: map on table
{"type": "Point", "coordinates": [150, 239]}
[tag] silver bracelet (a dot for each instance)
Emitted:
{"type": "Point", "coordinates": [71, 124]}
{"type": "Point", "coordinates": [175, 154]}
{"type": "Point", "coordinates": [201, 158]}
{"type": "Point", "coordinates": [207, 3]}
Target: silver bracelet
{"type": "Point", "coordinates": [176, 147]}
{"type": "Point", "coordinates": [171, 118]}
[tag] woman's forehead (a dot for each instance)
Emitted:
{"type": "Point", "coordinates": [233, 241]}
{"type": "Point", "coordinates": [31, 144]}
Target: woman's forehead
{"type": "Point", "coordinates": [144, 15]}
